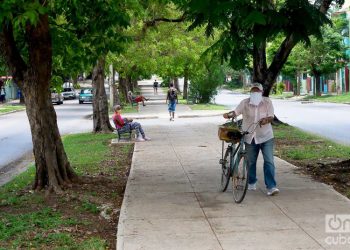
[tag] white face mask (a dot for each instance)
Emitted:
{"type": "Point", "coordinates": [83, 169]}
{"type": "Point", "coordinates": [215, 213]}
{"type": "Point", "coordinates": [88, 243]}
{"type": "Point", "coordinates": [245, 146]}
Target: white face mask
{"type": "Point", "coordinates": [255, 98]}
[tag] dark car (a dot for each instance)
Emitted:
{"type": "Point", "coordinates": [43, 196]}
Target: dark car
{"type": "Point", "coordinates": [86, 95]}
{"type": "Point", "coordinates": [69, 93]}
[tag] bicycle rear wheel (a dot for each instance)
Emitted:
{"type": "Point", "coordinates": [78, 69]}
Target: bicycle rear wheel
{"type": "Point", "coordinates": [226, 169]}
{"type": "Point", "coordinates": [240, 179]}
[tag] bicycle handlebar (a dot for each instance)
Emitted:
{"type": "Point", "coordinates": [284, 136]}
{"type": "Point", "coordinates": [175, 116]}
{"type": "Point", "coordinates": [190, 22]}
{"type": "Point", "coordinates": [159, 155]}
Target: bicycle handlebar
{"type": "Point", "coordinates": [247, 131]}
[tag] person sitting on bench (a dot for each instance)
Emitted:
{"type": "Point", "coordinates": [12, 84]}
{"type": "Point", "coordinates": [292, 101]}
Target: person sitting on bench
{"type": "Point", "coordinates": [136, 99]}
{"type": "Point", "coordinates": [125, 125]}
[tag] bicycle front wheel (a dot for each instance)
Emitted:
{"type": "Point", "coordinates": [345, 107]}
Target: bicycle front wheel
{"type": "Point", "coordinates": [226, 169]}
{"type": "Point", "coordinates": [240, 178]}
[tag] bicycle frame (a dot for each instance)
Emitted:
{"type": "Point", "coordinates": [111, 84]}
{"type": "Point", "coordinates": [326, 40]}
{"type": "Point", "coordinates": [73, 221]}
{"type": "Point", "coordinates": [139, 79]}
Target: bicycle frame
{"type": "Point", "coordinates": [236, 150]}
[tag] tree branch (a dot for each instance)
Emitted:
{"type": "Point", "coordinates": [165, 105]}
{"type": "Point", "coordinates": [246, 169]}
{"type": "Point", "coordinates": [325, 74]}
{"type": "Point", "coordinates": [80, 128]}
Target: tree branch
{"type": "Point", "coordinates": [285, 49]}
{"type": "Point", "coordinates": [153, 23]}
{"type": "Point", "coordinates": [11, 54]}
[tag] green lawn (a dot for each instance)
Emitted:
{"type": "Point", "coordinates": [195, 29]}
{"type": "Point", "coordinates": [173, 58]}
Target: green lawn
{"type": "Point", "coordinates": [31, 220]}
{"type": "Point", "coordinates": [208, 106]}
{"type": "Point", "coordinates": [9, 108]}
{"type": "Point", "coordinates": [343, 98]}
{"type": "Point", "coordinates": [299, 146]}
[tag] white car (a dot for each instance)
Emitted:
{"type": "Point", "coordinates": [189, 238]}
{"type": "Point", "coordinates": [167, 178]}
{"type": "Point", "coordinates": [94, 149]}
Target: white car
{"type": "Point", "coordinates": [69, 93]}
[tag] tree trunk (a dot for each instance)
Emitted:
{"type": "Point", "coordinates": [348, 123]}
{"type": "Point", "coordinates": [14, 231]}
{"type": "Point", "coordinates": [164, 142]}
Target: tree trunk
{"type": "Point", "coordinates": [21, 100]}
{"type": "Point", "coordinates": [100, 104]}
{"type": "Point", "coordinates": [116, 99]}
{"type": "Point", "coordinates": [185, 91]}
{"type": "Point", "coordinates": [75, 81]}
{"type": "Point", "coordinates": [298, 84]}
{"type": "Point", "coordinates": [135, 84]}
{"type": "Point", "coordinates": [317, 88]}
{"type": "Point", "coordinates": [114, 90]}
{"type": "Point", "coordinates": [129, 84]}
{"type": "Point", "coordinates": [53, 170]}
{"type": "Point", "coordinates": [259, 63]}
{"type": "Point", "coordinates": [176, 84]}
{"type": "Point", "coordinates": [52, 167]}
{"type": "Point", "coordinates": [123, 89]}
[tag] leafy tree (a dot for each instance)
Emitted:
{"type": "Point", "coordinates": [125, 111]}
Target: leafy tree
{"type": "Point", "coordinates": [321, 57]}
{"type": "Point", "coordinates": [324, 56]}
{"type": "Point", "coordinates": [99, 28]}
{"type": "Point", "coordinates": [32, 72]}
{"type": "Point", "coordinates": [27, 48]}
{"type": "Point", "coordinates": [209, 75]}
{"type": "Point", "coordinates": [248, 26]}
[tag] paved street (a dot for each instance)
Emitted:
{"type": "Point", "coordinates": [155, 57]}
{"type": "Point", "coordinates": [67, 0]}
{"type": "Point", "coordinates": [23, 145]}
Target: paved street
{"type": "Point", "coordinates": [15, 136]}
{"type": "Point", "coordinates": [172, 199]}
{"type": "Point", "coordinates": [326, 119]}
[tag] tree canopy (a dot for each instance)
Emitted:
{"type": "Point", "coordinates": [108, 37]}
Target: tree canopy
{"type": "Point", "coordinates": [247, 26]}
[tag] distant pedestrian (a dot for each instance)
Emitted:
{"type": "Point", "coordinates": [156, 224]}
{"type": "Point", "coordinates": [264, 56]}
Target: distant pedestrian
{"type": "Point", "coordinates": [2, 94]}
{"type": "Point", "coordinates": [155, 87]}
{"type": "Point", "coordinates": [171, 100]}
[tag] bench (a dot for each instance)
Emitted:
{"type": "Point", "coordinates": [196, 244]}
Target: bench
{"type": "Point", "coordinates": [133, 103]}
{"type": "Point", "coordinates": [126, 135]}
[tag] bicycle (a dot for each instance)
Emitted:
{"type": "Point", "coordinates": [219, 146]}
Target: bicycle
{"type": "Point", "coordinates": [234, 161]}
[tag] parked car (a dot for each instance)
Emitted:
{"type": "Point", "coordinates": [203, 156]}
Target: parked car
{"type": "Point", "coordinates": [69, 93]}
{"type": "Point", "coordinates": [86, 95]}
{"type": "Point", "coordinates": [56, 97]}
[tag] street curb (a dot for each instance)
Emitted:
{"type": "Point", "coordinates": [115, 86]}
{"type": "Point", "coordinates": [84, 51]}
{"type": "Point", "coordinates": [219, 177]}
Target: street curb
{"type": "Point", "coordinates": [123, 213]}
{"type": "Point", "coordinates": [10, 112]}
{"type": "Point", "coordinates": [198, 116]}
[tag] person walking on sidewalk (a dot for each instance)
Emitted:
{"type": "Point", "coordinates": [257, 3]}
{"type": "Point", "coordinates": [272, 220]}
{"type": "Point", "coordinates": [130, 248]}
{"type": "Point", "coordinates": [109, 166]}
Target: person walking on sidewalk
{"type": "Point", "coordinates": [171, 100]}
{"type": "Point", "coordinates": [254, 109]}
{"type": "Point", "coordinates": [126, 125]}
{"type": "Point", "coordinates": [155, 87]}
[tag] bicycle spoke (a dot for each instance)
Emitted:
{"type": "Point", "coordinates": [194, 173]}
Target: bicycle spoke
{"type": "Point", "coordinates": [225, 169]}
{"type": "Point", "coordinates": [240, 179]}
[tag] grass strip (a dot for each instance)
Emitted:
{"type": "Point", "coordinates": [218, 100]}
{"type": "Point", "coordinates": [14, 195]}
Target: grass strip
{"type": "Point", "coordinates": [343, 98]}
{"type": "Point", "coordinates": [33, 220]}
{"type": "Point", "coordinates": [10, 108]}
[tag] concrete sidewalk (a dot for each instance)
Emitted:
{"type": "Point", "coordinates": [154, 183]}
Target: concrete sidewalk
{"type": "Point", "coordinates": [172, 199]}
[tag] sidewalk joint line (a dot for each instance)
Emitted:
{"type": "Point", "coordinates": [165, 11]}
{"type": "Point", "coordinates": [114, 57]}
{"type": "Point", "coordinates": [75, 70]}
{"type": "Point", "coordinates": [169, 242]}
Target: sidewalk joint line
{"type": "Point", "coordinates": [195, 194]}
{"type": "Point", "coordinates": [295, 222]}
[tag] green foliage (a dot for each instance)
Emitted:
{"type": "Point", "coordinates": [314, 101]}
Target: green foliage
{"type": "Point", "coordinates": [204, 84]}
{"type": "Point", "coordinates": [247, 23]}
{"type": "Point", "coordinates": [278, 88]}
{"type": "Point", "coordinates": [321, 57]}
{"type": "Point", "coordinates": [90, 207]}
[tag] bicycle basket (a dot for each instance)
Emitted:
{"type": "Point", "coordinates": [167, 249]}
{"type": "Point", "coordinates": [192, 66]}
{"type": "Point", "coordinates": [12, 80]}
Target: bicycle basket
{"type": "Point", "coordinates": [229, 133]}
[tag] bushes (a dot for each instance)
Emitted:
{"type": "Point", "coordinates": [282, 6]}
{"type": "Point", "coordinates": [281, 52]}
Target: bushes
{"type": "Point", "coordinates": [205, 82]}
{"type": "Point", "coordinates": [278, 88]}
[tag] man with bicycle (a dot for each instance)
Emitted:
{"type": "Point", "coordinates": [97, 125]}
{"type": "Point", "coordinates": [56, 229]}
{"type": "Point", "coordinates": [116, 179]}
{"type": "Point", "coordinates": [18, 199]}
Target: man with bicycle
{"type": "Point", "coordinates": [258, 109]}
